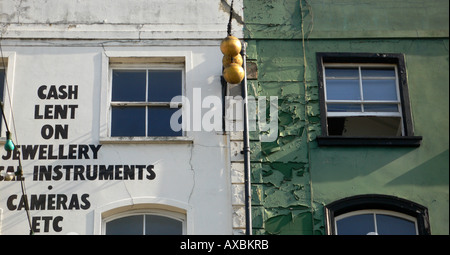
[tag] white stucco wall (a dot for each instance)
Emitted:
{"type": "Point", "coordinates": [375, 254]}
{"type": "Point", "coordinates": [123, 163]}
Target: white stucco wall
{"type": "Point", "coordinates": [118, 19]}
{"type": "Point", "coordinates": [76, 40]}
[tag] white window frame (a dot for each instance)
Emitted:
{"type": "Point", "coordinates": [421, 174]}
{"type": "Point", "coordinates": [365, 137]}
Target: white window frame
{"type": "Point", "coordinates": [375, 212]}
{"type": "Point", "coordinates": [157, 56]}
{"type": "Point", "coordinates": [146, 104]}
{"type": "Point", "coordinates": [168, 214]}
{"type": "Point", "coordinates": [398, 114]}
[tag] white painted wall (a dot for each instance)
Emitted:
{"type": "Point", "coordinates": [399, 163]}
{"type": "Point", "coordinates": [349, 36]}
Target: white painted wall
{"type": "Point", "coordinates": [119, 19]}
{"type": "Point", "coordinates": [192, 175]}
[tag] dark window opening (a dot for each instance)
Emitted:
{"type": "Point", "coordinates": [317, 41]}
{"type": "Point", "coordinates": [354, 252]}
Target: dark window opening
{"type": "Point", "coordinates": [364, 126]}
{"type": "Point", "coordinates": [364, 100]}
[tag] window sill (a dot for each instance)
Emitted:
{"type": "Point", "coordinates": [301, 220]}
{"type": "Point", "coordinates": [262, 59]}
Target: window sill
{"type": "Point", "coordinates": [395, 141]}
{"type": "Point", "coordinates": [147, 140]}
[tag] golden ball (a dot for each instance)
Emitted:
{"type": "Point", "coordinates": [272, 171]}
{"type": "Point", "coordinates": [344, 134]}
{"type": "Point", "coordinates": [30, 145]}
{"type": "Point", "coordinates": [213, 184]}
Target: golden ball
{"type": "Point", "coordinates": [230, 46]}
{"type": "Point", "coordinates": [227, 60]}
{"type": "Point", "coordinates": [234, 73]}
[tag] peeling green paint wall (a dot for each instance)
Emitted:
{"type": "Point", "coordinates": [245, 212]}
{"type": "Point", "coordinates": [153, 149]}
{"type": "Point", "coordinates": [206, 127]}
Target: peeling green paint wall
{"type": "Point", "coordinates": [281, 190]}
{"type": "Point", "coordinates": [293, 178]}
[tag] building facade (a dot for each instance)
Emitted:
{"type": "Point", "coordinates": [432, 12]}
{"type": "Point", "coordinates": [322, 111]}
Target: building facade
{"type": "Point", "coordinates": [362, 91]}
{"type": "Point", "coordinates": [119, 117]}
{"type": "Point", "coordinates": [116, 113]}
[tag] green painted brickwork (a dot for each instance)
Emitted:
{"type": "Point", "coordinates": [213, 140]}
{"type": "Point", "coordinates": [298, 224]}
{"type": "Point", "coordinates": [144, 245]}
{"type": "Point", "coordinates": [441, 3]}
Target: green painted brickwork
{"type": "Point", "coordinates": [293, 178]}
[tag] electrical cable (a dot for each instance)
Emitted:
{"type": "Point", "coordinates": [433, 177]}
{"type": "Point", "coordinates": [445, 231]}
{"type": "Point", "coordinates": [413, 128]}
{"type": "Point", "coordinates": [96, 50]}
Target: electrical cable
{"type": "Point", "coordinates": [19, 172]}
{"type": "Point", "coordinates": [231, 17]}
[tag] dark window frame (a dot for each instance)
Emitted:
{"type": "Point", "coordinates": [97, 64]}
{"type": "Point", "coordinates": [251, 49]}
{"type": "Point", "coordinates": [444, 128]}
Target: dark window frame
{"type": "Point", "coordinates": [408, 140]}
{"type": "Point", "coordinates": [375, 201]}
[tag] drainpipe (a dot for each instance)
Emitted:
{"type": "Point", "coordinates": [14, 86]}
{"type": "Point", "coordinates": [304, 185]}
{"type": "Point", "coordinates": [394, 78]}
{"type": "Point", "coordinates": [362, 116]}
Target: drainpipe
{"type": "Point", "coordinates": [246, 147]}
{"type": "Point", "coordinates": [246, 150]}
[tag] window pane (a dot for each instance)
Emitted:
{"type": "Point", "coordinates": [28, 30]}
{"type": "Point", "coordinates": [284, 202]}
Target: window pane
{"type": "Point", "coordinates": [391, 225]}
{"type": "Point", "coordinates": [131, 225]}
{"type": "Point", "coordinates": [343, 90]}
{"type": "Point", "coordinates": [378, 72]}
{"type": "Point", "coordinates": [381, 108]}
{"type": "Point", "coordinates": [159, 121]}
{"type": "Point", "coordinates": [128, 85]}
{"type": "Point", "coordinates": [128, 121]}
{"type": "Point", "coordinates": [379, 90]}
{"type": "Point", "coordinates": [341, 72]}
{"type": "Point", "coordinates": [343, 108]}
{"type": "Point", "coordinates": [159, 225]}
{"type": "Point", "coordinates": [163, 85]}
{"type": "Point", "coordinates": [356, 225]}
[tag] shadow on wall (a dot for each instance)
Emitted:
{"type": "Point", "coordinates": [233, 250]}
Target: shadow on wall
{"type": "Point", "coordinates": [332, 164]}
{"type": "Point", "coordinates": [432, 172]}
